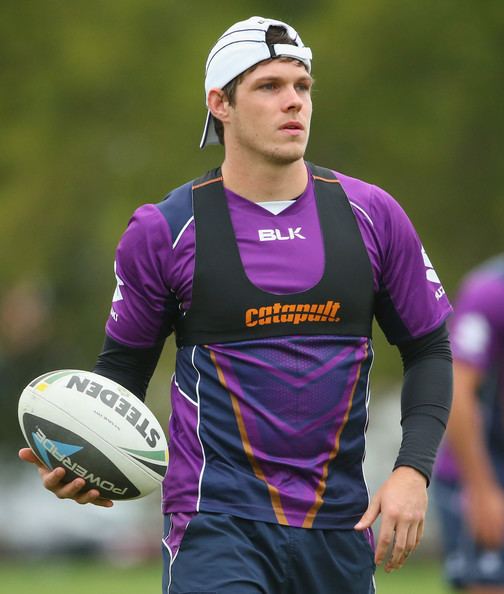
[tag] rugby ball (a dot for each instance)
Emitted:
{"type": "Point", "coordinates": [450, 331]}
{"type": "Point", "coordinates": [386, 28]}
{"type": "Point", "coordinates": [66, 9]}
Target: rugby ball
{"type": "Point", "coordinates": [96, 430]}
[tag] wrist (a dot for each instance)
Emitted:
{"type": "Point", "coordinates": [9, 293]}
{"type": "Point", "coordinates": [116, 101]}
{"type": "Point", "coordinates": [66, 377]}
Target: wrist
{"type": "Point", "coordinates": [411, 473]}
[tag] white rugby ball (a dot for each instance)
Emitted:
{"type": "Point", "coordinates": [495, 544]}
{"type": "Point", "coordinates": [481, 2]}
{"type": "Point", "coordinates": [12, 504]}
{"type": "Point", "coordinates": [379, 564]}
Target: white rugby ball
{"type": "Point", "coordinates": [96, 430]}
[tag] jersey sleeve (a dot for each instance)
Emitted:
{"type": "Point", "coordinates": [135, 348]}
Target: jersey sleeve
{"type": "Point", "coordinates": [477, 327]}
{"type": "Point", "coordinates": [143, 305]}
{"type": "Point", "coordinates": [411, 301]}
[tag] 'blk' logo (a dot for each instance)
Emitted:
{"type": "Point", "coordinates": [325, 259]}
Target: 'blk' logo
{"type": "Point", "coordinates": [276, 234]}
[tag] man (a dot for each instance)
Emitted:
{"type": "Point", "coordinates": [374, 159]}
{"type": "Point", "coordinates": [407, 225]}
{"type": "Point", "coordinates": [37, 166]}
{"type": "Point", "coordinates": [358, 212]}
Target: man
{"type": "Point", "coordinates": [270, 270]}
{"type": "Point", "coordinates": [470, 473]}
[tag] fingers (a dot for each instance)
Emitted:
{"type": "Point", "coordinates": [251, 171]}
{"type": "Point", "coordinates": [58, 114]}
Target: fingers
{"type": "Point", "coordinates": [385, 540]}
{"type": "Point", "coordinates": [53, 481]}
{"type": "Point", "coordinates": [399, 535]}
{"type": "Point", "coordinates": [489, 536]}
{"type": "Point", "coordinates": [27, 455]}
{"type": "Point", "coordinates": [420, 533]}
{"type": "Point", "coordinates": [405, 542]}
{"type": "Point", "coordinates": [403, 503]}
{"type": "Point", "coordinates": [92, 496]}
{"type": "Point", "coordinates": [369, 516]}
{"type": "Point", "coordinates": [484, 505]}
{"type": "Point", "coordinates": [488, 528]}
{"type": "Point", "coordinates": [72, 490]}
{"type": "Point", "coordinates": [400, 542]}
{"type": "Point", "coordinates": [101, 502]}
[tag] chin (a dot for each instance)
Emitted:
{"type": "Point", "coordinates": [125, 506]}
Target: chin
{"type": "Point", "coordinates": [286, 156]}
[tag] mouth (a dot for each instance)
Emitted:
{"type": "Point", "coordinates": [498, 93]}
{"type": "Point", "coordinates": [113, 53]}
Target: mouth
{"type": "Point", "coordinates": [293, 129]}
{"type": "Point", "coordinates": [292, 125]}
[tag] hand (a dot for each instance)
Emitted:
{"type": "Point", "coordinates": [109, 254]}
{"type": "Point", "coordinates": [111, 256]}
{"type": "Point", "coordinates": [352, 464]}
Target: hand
{"type": "Point", "coordinates": [402, 503]}
{"type": "Point", "coordinates": [485, 514]}
{"type": "Point", "coordinates": [51, 479]}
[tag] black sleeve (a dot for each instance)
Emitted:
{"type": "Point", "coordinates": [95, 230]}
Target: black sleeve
{"type": "Point", "coordinates": [425, 399]}
{"type": "Point", "coordinates": [130, 367]}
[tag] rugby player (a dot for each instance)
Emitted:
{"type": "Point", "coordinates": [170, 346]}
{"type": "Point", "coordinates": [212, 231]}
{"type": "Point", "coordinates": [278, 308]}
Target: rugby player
{"type": "Point", "coordinates": [470, 471]}
{"type": "Point", "coordinates": [270, 271]}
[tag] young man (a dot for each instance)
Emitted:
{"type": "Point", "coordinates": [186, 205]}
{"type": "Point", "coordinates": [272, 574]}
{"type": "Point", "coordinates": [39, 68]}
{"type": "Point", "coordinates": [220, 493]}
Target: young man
{"type": "Point", "coordinates": [270, 271]}
{"type": "Point", "coordinates": [470, 472]}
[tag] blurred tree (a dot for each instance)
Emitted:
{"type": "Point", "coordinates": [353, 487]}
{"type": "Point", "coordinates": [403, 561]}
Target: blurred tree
{"type": "Point", "coordinates": [102, 107]}
{"type": "Point", "coordinates": [28, 346]}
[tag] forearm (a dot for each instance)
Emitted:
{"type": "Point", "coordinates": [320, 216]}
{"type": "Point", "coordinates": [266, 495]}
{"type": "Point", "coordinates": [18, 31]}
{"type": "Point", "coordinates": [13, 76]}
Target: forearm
{"type": "Point", "coordinates": [466, 420]}
{"type": "Point", "coordinates": [425, 400]}
{"type": "Point", "coordinates": [130, 367]}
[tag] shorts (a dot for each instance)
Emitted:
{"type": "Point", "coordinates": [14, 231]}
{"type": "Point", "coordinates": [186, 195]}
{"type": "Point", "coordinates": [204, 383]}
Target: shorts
{"type": "Point", "coordinates": [207, 553]}
{"type": "Point", "coordinates": [465, 562]}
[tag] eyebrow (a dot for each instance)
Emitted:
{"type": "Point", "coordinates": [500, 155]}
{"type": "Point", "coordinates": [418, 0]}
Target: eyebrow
{"type": "Point", "coordinates": [274, 78]}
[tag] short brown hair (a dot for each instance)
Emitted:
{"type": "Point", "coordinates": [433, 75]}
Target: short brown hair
{"type": "Point", "coordinates": [274, 34]}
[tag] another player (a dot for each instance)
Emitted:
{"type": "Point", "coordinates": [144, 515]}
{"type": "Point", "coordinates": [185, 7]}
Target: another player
{"type": "Point", "coordinates": [470, 473]}
{"type": "Point", "coordinates": [270, 271]}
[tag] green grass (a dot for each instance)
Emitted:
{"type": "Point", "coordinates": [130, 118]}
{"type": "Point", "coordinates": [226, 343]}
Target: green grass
{"type": "Point", "coordinates": [79, 578]}
{"type": "Point", "coordinates": [421, 577]}
{"type": "Point", "coordinates": [417, 577]}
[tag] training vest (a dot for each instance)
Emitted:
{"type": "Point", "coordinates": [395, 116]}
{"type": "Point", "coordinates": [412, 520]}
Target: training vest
{"type": "Point", "coordinates": [226, 306]}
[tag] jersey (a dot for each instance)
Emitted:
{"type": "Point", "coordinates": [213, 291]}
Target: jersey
{"type": "Point", "coordinates": [477, 336]}
{"type": "Point", "coordinates": [272, 428]}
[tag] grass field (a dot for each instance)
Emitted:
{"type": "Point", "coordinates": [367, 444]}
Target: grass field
{"type": "Point", "coordinates": [79, 578]}
{"type": "Point", "coordinates": [101, 578]}
{"type": "Point", "coordinates": [420, 577]}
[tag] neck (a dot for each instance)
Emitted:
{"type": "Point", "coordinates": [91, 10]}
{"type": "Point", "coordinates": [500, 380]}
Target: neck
{"type": "Point", "coordinates": [265, 181]}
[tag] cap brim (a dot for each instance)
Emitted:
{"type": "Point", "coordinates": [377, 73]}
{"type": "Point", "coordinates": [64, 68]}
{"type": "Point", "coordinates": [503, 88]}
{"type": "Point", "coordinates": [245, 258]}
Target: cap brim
{"type": "Point", "coordinates": [209, 133]}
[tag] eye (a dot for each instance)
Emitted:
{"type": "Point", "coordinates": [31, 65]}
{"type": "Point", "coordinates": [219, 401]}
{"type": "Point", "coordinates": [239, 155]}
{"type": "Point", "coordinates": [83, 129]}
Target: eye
{"type": "Point", "coordinates": [269, 86]}
{"type": "Point", "coordinates": [304, 87]}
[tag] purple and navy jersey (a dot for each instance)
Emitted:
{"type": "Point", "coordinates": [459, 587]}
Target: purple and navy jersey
{"type": "Point", "coordinates": [477, 338]}
{"type": "Point", "coordinates": [273, 428]}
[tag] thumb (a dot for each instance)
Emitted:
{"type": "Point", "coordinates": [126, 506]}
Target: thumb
{"type": "Point", "coordinates": [27, 455]}
{"type": "Point", "coordinates": [369, 516]}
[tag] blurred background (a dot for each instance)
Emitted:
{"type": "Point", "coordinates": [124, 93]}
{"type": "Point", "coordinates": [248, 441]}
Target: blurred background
{"type": "Point", "coordinates": [102, 108]}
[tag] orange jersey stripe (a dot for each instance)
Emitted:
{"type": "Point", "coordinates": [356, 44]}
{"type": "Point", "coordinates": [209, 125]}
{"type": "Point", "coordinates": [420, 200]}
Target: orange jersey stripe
{"type": "Point", "coordinates": [273, 491]}
{"type": "Point", "coordinates": [210, 181]}
{"type": "Point", "coordinates": [328, 180]}
{"type": "Point", "coordinates": [321, 487]}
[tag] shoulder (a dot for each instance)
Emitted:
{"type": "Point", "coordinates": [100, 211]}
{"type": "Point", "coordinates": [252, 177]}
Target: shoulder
{"type": "Point", "coordinates": [401, 265]}
{"type": "Point", "coordinates": [145, 226]}
{"type": "Point", "coordinates": [483, 290]}
{"type": "Point", "coordinates": [478, 322]}
{"type": "Point", "coordinates": [156, 226]}
{"type": "Point", "coordinates": [372, 201]}
{"type": "Point", "coordinates": [165, 219]}
{"type": "Point", "coordinates": [177, 208]}
{"type": "Point", "coordinates": [381, 217]}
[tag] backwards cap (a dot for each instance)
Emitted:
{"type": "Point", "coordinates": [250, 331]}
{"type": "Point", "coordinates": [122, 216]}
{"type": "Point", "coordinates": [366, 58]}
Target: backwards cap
{"type": "Point", "coordinates": [242, 46]}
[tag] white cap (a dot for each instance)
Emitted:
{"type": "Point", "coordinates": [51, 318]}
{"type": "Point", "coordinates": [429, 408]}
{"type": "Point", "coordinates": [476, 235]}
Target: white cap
{"type": "Point", "coordinates": [242, 46]}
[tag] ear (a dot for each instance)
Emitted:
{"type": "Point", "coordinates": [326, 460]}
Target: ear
{"type": "Point", "coordinates": [218, 104]}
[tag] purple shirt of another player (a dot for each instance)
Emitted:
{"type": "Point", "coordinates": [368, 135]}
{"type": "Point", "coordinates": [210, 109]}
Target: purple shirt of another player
{"type": "Point", "coordinates": [477, 337]}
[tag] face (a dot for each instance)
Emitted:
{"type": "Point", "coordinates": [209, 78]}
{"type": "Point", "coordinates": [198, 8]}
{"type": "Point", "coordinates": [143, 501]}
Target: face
{"type": "Point", "coordinates": [270, 118]}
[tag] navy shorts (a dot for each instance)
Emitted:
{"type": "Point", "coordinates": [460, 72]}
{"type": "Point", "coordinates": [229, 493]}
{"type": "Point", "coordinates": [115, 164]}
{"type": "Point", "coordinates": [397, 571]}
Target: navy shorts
{"type": "Point", "coordinates": [208, 553]}
{"type": "Point", "coordinates": [465, 562]}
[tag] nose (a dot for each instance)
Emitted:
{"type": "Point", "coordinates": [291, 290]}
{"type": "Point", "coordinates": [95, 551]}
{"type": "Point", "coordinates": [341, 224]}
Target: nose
{"type": "Point", "coordinates": [292, 100]}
